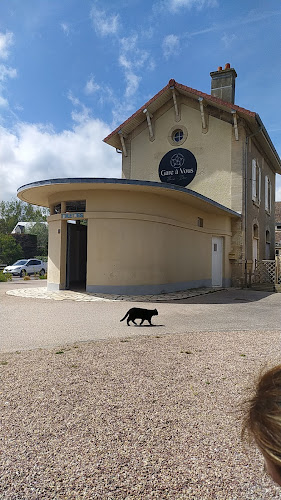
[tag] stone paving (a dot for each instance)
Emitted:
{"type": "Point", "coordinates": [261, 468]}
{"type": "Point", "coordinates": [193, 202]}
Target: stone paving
{"type": "Point", "coordinates": [43, 293]}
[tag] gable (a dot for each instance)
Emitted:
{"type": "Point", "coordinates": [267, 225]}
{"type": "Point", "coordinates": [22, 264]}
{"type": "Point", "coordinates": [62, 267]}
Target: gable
{"type": "Point", "coordinates": [211, 150]}
{"type": "Point", "coordinates": [207, 105]}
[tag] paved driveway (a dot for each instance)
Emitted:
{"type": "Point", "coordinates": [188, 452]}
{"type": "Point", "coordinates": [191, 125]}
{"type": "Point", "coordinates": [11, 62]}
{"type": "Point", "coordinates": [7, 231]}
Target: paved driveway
{"type": "Point", "coordinates": [28, 323]}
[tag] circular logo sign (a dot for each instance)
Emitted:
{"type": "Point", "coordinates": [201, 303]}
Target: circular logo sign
{"type": "Point", "coordinates": [178, 166]}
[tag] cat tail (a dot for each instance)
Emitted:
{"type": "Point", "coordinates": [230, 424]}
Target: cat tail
{"type": "Point", "coordinates": [127, 314]}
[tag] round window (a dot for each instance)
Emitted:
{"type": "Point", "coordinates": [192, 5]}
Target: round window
{"type": "Point", "coordinates": [177, 135]}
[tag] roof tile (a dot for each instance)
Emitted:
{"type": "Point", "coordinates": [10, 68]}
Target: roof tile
{"type": "Point", "coordinates": [179, 86]}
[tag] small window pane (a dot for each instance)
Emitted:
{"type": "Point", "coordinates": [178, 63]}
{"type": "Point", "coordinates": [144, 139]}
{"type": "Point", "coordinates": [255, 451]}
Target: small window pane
{"type": "Point", "coordinates": [178, 135]}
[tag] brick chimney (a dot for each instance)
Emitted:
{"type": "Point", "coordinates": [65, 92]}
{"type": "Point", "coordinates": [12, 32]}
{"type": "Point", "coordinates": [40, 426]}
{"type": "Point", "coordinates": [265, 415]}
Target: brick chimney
{"type": "Point", "coordinates": [223, 83]}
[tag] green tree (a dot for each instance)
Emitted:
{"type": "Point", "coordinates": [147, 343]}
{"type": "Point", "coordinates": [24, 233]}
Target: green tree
{"type": "Point", "coordinates": [41, 231]}
{"type": "Point", "coordinates": [11, 212]}
{"type": "Point", "coordinates": [10, 250]}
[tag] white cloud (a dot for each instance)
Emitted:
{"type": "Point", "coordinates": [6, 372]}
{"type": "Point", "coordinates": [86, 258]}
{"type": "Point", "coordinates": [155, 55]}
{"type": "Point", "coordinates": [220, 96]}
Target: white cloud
{"type": "Point", "coordinates": [74, 100]}
{"type": "Point", "coordinates": [250, 18]}
{"type": "Point", "coordinates": [35, 152]}
{"type": "Point", "coordinates": [91, 86]}
{"type": "Point", "coordinates": [124, 61]}
{"type": "Point", "coordinates": [132, 59]}
{"type": "Point", "coordinates": [3, 102]}
{"type": "Point", "coordinates": [104, 23]}
{"type": "Point", "coordinates": [6, 72]}
{"type": "Point", "coordinates": [133, 82]}
{"type": "Point", "coordinates": [228, 39]}
{"type": "Point", "coordinates": [65, 28]}
{"type": "Point", "coordinates": [131, 56]}
{"type": "Point", "coordinates": [170, 46]}
{"type": "Point", "coordinates": [6, 40]}
{"type": "Point", "coordinates": [81, 113]}
{"type": "Point", "coordinates": [176, 5]}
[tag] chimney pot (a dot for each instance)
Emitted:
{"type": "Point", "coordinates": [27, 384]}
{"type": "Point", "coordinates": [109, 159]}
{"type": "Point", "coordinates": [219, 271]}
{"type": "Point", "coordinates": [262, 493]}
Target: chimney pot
{"type": "Point", "coordinates": [227, 66]}
{"type": "Point", "coordinates": [220, 68]}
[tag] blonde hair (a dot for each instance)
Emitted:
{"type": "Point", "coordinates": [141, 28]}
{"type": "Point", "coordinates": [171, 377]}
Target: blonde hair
{"type": "Point", "coordinates": [262, 421]}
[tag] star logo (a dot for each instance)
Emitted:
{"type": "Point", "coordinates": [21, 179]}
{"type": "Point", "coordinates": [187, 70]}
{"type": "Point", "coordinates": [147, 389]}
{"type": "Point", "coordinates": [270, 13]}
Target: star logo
{"type": "Point", "coordinates": [177, 160]}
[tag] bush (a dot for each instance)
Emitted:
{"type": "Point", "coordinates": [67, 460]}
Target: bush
{"type": "Point", "coordinates": [5, 277]}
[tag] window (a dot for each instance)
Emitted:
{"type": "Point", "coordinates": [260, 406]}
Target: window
{"type": "Point", "coordinates": [267, 194]}
{"type": "Point", "coordinates": [256, 231]}
{"type": "Point", "coordinates": [178, 135]}
{"type": "Point", "coordinates": [255, 245]}
{"type": "Point", "coordinates": [200, 222]}
{"type": "Point", "coordinates": [256, 182]}
{"type": "Point", "coordinates": [57, 209]}
{"type": "Point", "coordinates": [267, 245]}
{"type": "Point", "coordinates": [76, 206]}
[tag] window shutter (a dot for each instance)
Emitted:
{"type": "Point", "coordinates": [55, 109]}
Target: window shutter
{"type": "Point", "coordinates": [269, 196]}
{"type": "Point", "coordinates": [254, 180]}
{"type": "Point", "coordinates": [266, 193]}
{"type": "Point", "coordinates": [259, 200]}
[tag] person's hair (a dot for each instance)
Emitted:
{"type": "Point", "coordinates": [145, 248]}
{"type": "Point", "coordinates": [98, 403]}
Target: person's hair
{"type": "Point", "coordinates": [262, 420]}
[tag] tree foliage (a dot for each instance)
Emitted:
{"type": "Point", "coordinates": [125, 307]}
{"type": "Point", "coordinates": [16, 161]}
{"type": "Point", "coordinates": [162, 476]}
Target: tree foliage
{"type": "Point", "coordinates": [10, 250]}
{"type": "Point", "coordinates": [14, 211]}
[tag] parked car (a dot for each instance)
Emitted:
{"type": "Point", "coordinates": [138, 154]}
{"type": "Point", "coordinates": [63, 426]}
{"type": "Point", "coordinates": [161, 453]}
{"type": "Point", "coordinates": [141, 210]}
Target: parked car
{"type": "Point", "coordinates": [25, 267]}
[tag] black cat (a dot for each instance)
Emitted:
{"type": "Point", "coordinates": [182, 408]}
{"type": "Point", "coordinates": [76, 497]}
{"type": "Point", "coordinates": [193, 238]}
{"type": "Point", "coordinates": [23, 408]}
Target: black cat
{"type": "Point", "coordinates": [138, 312]}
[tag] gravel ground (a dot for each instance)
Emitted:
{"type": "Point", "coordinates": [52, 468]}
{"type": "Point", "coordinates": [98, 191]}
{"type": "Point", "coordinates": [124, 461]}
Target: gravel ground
{"type": "Point", "coordinates": [150, 417]}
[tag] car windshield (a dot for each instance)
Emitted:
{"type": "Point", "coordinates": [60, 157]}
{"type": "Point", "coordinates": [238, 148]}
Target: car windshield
{"type": "Point", "coordinates": [20, 263]}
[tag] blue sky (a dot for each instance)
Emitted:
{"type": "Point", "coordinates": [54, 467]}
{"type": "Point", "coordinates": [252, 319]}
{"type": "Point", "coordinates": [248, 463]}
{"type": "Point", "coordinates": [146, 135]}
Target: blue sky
{"type": "Point", "coordinates": [72, 70]}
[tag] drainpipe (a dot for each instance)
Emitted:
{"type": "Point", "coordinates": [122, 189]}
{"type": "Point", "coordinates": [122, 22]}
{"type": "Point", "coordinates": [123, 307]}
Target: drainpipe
{"type": "Point", "coordinates": [246, 199]}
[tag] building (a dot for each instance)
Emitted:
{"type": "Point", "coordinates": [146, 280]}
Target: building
{"type": "Point", "coordinates": [21, 227]}
{"type": "Point", "coordinates": [234, 157]}
{"type": "Point", "coordinates": [194, 207]}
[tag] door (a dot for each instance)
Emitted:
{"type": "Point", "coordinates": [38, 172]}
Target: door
{"type": "Point", "coordinates": [76, 256]}
{"type": "Point", "coordinates": [31, 267]}
{"type": "Point", "coordinates": [217, 256]}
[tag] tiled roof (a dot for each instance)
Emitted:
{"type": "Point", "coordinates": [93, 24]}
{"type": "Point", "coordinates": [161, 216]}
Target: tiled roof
{"type": "Point", "coordinates": [189, 90]}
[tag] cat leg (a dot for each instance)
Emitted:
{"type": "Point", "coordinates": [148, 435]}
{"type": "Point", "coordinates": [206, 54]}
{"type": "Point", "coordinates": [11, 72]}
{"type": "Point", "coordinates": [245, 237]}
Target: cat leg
{"type": "Point", "coordinates": [134, 322]}
{"type": "Point", "coordinates": [141, 322]}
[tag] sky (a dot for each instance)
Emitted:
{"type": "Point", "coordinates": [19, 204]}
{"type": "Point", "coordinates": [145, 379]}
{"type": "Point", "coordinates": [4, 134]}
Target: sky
{"type": "Point", "coordinates": [71, 71]}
